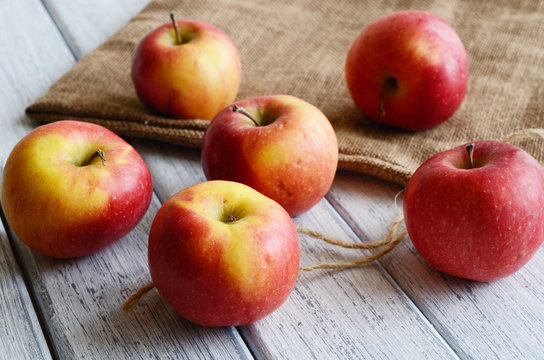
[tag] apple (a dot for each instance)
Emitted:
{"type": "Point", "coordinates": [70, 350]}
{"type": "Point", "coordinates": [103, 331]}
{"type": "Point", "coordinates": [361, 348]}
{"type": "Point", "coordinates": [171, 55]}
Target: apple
{"type": "Point", "coordinates": [186, 70]}
{"type": "Point", "coordinates": [407, 70]}
{"type": "Point", "coordinates": [475, 211]}
{"type": "Point", "coordinates": [280, 145]}
{"type": "Point", "coordinates": [220, 253]}
{"type": "Point", "coordinates": [72, 188]}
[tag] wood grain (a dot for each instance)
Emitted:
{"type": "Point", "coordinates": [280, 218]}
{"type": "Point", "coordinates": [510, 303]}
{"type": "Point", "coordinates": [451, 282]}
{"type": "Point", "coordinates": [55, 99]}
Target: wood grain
{"type": "Point", "coordinates": [501, 319]}
{"type": "Point", "coordinates": [85, 27]}
{"type": "Point", "coordinates": [29, 64]}
{"type": "Point", "coordinates": [80, 300]}
{"type": "Point", "coordinates": [21, 335]}
{"type": "Point", "coordinates": [329, 313]}
{"type": "Point", "coordinates": [398, 307]}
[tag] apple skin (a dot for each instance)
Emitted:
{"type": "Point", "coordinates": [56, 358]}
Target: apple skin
{"type": "Point", "coordinates": [415, 63]}
{"type": "Point", "coordinates": [290, 157]}
{"type": "Point", "coordinates": [62, 208]}
{"type": "Point", "coordinates": [481, 223]}
{"type": "Point", "coordinates": [193, 80]}
{"type": "Point", "coordinates": [219, 273]}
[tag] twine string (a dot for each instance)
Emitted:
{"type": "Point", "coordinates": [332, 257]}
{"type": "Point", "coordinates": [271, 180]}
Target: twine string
{"type": "Point", "coordinates": [522, 134]}
{"type": "Point", "coordinates": [327, 239]}
{"type": "Point", "coordinates": [388, 243]}
{"type": "Point", "coordinates": [393, 237]}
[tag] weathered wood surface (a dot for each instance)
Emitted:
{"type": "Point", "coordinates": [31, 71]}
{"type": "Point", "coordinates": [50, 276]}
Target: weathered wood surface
{"type": "Point", "coordinates": [398, 307]}
{"type": "Point", "coordinates": [501, 319]}
{"type": "Point", "coordinates": [353, 313]}
{"type": "Point", "coordinates": [21, 336]}
{"type": "Point", "coordinates": [80, 300]}
{"type": "Point", "coordinates": [85, 26]}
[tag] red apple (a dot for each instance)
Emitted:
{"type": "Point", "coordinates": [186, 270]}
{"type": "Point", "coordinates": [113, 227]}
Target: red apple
{"type": "Point", "coordinates": [72, 188]}
{"type": "Point", "coordinates": [480, 222]}
{"type": "Point", "coordinates": [191, 73]}
{"type": "Point", "coordinates": [279, 145]}
{"type": "Point", "coordinates": [407, 70]}
{"type": "Point", "coordinates": [220, 254]}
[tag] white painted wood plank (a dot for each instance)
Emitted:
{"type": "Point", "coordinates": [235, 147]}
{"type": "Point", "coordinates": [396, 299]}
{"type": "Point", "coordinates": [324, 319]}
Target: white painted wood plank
{"type": "Point", "coordinates": [80, 299]}
{"type": "Point", "coordinates": [313, 326]}
{"type": "Point", "coordinates": [85, 25]}
{"type": "Point", "coordinates": [269, 343]}
{"type": "Point", "coordinates": [21, 336]}
{"type": "Point", "coordinates": [32, 57]}
{"type": "Point", "coordinates": [501, 319]}
{"type": "Point", "coordinates": [357, 313]}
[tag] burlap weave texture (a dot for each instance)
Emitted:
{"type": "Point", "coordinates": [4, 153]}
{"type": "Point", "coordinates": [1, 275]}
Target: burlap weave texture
{"type": "Point", "coordinates": [299, 47]}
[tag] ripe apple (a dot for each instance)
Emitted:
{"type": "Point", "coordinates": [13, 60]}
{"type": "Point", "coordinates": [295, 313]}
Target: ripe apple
{"type": "Point", "coordinates": [279, 145]}
{"type": "Point", "coordinates": [187, 70]}
{"type": "Point", "coordinates": [72, 188]}
{"type": "Point", "coordinates": [475, 211]}
{"type": "Point", "coordinates": [221, 254]}
{"type": "Point", "coordinates": [407, 70]}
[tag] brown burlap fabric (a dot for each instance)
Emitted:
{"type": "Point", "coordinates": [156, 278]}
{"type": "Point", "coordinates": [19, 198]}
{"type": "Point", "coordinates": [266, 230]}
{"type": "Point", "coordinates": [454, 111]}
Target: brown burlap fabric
{"type": "Point", "coordinates": [299, 47]}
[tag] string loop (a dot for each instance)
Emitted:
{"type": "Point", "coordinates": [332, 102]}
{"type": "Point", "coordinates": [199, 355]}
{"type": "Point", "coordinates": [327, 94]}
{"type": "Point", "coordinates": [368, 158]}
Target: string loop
{"type": "Point", "coordinates": [392, 239]}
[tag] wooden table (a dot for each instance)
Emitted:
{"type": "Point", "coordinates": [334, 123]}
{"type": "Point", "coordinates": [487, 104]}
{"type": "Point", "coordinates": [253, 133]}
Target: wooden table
{"type": "Point", "coordinates": [396, 308]}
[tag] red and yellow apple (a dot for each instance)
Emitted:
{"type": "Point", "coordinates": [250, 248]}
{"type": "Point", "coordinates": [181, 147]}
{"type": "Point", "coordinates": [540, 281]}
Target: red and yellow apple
{"type": "Point", "coordinates": [71, 188]}
{"type": "Point", "coordinates": [279, 145]}
{"type": "Point", "coordinates": [190, 71]}
{"type": "Point", "coordinates": [408, 70]}
{"type": "Point", "coordinates": [221, 254]}
{"type": "Point", "coordinates": [477, 213]}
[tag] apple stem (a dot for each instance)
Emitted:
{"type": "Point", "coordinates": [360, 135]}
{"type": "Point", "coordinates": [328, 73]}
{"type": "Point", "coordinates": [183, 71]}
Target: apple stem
{"type": "Point", "coordinates": [470, 150]}
{"type": "Point", "coordinates": [102, 155]}
{"type": "Point", "coordinates": [241, 110]}
{"type": "Point", "coordinates": [178, 36]}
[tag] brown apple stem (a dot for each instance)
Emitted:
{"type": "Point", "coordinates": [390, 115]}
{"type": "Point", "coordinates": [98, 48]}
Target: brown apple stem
{"type": "Point", "coordinates": [102, 155]}
{"type": "Point", "coordinates": [134, 299]}
{"type": "Point", "coordinates": [470, 150]}
{"type": "Point", "coordinates": [241, 110]}
{"type": "Point", "coordinates": [178, 36]}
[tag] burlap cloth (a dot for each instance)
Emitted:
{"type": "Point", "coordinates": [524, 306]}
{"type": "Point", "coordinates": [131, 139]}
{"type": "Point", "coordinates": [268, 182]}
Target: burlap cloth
{"type": "Point", "coordinates": [299, 47]}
